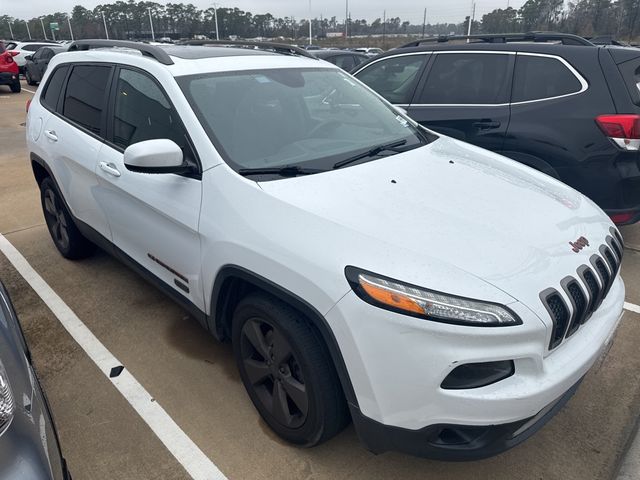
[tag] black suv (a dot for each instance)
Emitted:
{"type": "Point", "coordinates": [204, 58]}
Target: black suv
{"type": "Point", "coordinates": [555, 102]}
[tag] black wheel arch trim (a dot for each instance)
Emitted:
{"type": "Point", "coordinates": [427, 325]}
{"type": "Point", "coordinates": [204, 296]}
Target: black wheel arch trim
{"type": "Point", "coordinates": [219, 301]}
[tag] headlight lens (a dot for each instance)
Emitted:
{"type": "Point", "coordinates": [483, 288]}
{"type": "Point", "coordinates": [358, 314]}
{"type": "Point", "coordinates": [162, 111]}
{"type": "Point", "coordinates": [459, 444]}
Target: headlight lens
{"type": "Point", "coordinates": [7, 404]}
{"type": "Point", "coordinates": [419, 302]}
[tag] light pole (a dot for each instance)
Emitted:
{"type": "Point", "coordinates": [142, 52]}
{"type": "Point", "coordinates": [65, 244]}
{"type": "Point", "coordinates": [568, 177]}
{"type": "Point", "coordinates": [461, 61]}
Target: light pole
{"type": "Point", "coordinates": [215, 14]}
{"type": "Point", "coordinates": [346, 19]}
{"type": "Point", "coordinates": [153, 35]}
{"type": "Point", "coordinates": [310, 34]}
{"type": "Point", "coordinates": [70, 29]}
{"type": "Point", "coordinates": [10, 29]}
{"type": "Point", "coordinates": [28, 31]}
{"type": "Point", "coordinates": [104, 21]}
{"type": "Point", "coordinates": [473, 14]}
{"type": "Point", "coordinates": [44, 32]}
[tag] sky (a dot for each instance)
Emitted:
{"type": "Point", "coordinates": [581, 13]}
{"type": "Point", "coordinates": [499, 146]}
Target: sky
{"type": "Point", "coordinates": [437, 10]}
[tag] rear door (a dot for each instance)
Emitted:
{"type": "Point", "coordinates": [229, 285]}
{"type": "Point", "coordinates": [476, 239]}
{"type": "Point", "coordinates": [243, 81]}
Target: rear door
{"type": "Point", "coordinates": [465, 95]}
{"type": "Point", "coordinates": [396, 77]}
{"type": "Point", "coordinates": [73, 136]}
{"type": "Point", "coordinates": [154, 217]}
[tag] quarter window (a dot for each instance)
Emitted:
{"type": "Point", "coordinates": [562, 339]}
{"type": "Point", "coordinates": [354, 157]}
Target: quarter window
{"type": "Point", "coordinates": [143, 112]}
{"type": "Point", "coordinates": [85, 96]}
{"type": "Point", "coordinates": [536, 78]}
{"type": "Point", "coordinates": [52, 90]}
{"type": "Point", "coordinates": [468, 79]}
{"type": "Point", "coordinates": [394, 78]}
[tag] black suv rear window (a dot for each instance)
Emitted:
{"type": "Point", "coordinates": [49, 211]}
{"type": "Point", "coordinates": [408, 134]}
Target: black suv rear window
{"type": "Point", "coordinates": [468, 79]}
{"type": "Point", "coordinates": [536, 78]}
{"type": "Point", "coordinates": [85, 97]}
{"type": "Point", "coordinates": [53, 87]}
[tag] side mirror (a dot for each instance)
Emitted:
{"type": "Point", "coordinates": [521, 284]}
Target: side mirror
{"type": "Point", "coordinates": [155, 156]}
{"type": "Point", "coordinates": [29, 57]}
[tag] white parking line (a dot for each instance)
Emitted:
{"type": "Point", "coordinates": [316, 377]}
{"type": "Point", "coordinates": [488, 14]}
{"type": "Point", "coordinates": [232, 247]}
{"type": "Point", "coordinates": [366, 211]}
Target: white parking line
{"type": "Point", "coordinates": [27, 90]}
{"type": "Point", "coordinates": [632, 307]}
{"type": "Point", "coordinates": [195, 462]}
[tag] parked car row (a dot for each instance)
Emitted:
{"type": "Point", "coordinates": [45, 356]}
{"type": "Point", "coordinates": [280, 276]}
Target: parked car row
{"type": "Point", "coordinates": [556, 103]}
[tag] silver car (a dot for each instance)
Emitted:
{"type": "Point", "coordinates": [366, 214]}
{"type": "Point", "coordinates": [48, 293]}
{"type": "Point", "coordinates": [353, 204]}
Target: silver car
{"type": "Point", "coordinates": [29, 446]}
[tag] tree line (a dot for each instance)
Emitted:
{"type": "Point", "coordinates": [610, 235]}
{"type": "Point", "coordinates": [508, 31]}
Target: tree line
{"type": "Point", "coordinates": [130, 20]}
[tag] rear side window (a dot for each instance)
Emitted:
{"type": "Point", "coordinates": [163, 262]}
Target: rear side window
{"type": "Point", "coordinates": [345, 62]}
{"type": "Point", "coordinates": [468, 79]}
{"type": "Point", "coordinates": [395, 77]}
{"type": "Point", "coordinates": [536, 78]}
{"type": "Point", "coordinates": [86, 95]}
{"type": "Point", "coordinates": [54, 86]}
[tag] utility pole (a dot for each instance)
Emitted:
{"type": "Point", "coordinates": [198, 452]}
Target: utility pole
{"type": "Point", "coordinates": [10, 29]}
{"type": "Point", "coordinates": [70, 29]}
{"type": "Point", "coordinates": [471, 17]}
{"type": "Point", "coordinates": [28, 31]}
{"type": "Point", "coordinates": [424, 22]}
{"type": "Point", "coordinates": [44, 32]}
{"type": "Point", "coordinates": [106, 32]}
{"type": "Point", "coordinates": [310, 34]}
{"type": "Point", "coordinates": [153, 35]}
{"type": "Point", "coordinates": [384, 28]}
{"type": "Point", "coordinates": [346, 20]}
{"type": "Point", "coordinates": [215, 14]}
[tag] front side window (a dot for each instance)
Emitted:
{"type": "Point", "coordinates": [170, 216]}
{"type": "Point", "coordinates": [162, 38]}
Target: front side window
{"type": "Point", "coordinates": [394, 78]}
{"type": "Point", "coordinates": [39, 54]}
{"type": "Point", "coordinates": [53, 87]}
{"type": "Point", "coordinates": [467, 79]}
{"type": "Point", "coordinates": [143, 112]}
{"type": "Point", "coordinates": [85, 96]}
{"type": "Point", "coordinates": [311, 118]}
{"type": "Point", "coordinates": [536, 78]}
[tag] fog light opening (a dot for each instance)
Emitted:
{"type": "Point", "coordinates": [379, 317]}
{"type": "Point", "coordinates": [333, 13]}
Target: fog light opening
{"type": "Point", "coordinates": [476, 375]}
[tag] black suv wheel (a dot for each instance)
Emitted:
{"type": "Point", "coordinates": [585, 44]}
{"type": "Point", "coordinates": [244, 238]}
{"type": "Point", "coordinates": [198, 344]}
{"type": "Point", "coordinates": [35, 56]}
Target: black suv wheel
{"type": "Point", "coordinates": [287, 372]}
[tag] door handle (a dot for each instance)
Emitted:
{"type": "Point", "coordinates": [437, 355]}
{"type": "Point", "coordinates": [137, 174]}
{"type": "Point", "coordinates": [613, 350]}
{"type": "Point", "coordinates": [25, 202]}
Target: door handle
{"type": "Point", "coordinates": [485, 124]}
{"type": "Point", "coordinates": [110, 168]}
{"type": "Point", "coordinates": [51, 135]}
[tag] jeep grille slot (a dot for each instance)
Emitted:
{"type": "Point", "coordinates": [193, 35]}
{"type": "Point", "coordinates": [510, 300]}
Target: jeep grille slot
{"type": "Point", "coordinates": [559, 312]}
{"type": "Point", "coordinates": [584, 293]}
{"type": "Point", "coordinates": [579, 303]}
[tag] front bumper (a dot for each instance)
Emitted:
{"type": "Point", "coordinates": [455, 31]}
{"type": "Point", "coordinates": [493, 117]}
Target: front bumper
{"type": "Point", "coordinates": [8, 78]}
{"type": "Point", "coordinates": [453, 442]}
{"type": "Point", "coordinates": [397, 363]}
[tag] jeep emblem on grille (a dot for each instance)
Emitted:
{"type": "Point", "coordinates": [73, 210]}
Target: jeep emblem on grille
{"type": "Point", "coordinates": [579, 244]}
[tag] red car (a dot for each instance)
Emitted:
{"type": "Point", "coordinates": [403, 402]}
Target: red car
{"type": "Point", "coordinates": [9, 74]}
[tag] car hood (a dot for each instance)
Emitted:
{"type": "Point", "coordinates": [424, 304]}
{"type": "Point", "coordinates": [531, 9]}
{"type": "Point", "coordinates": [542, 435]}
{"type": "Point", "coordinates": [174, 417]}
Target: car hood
{"type": "Point", "coordinates": [487, 215]}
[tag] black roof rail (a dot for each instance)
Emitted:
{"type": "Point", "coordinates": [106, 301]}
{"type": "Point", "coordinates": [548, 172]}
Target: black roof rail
{"type": "Point", "coordinates": [269, 46]}
{"type": "Point", "coordinates": [565, 38]}
{"type": "Point", "coordinates": [147, 50]}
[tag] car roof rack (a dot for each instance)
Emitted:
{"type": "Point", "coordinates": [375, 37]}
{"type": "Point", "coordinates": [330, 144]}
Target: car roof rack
{"type": "Point", "coordinates": [282, 48]}
{"type": "Point", "coordinates": [147, 50]}
{"type": "Point", "coordinates": [565, 38]}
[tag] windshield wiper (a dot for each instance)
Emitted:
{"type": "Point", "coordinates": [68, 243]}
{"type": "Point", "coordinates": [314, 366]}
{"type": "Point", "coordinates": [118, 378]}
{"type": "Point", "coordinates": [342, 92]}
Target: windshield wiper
{"type": "Point", "coordinates": [371, 153]}
{"type": "Point", "coordinates": [285, 171]}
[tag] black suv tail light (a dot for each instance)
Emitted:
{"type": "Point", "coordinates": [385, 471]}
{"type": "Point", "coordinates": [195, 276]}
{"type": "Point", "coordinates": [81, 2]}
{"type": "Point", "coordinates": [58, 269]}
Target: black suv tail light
{"type": "Point", "coordinates": [623, 130]}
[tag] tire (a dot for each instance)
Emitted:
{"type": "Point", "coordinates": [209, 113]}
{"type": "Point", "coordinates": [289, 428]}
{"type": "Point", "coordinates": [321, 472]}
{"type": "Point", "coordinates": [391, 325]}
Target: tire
{"type": "Point", "coordinates": [64, 233]}
{"type": "Point", "coordinates": [16, 87]}
{"type": "Point", "coordinates": [280, 356]}
{"type": "Point", "coordinates": [28, 78]}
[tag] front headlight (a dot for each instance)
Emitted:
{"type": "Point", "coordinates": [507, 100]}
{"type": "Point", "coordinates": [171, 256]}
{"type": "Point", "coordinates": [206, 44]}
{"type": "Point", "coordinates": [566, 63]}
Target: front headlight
{"type": "Point", "coordinates": [7, 404]}
{"type": "Point", "coordinates": [419, 302]}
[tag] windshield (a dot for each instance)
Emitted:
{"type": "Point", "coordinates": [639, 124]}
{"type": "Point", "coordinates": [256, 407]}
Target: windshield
{"type": "Point", "coordinates": [305, 118]}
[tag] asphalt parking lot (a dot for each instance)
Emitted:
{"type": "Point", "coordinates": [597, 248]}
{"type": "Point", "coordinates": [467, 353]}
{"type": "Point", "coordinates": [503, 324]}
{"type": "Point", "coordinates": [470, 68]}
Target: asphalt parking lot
{"type": "Point", "coordinates": [195, 380]}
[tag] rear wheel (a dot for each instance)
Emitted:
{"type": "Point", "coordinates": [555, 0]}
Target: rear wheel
{"type": "Point", "coordinates": [28, 77]}
{"type": "Point", "coordinates": [287, 372]}
{"type": "Point", "coordinates": [16, 87]}
{"type": "Point", "coordinates": [64, 233]}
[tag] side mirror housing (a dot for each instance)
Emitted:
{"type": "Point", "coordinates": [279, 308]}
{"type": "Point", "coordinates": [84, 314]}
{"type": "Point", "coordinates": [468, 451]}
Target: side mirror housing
{"type": "Point", "coordinates": [155, 156]}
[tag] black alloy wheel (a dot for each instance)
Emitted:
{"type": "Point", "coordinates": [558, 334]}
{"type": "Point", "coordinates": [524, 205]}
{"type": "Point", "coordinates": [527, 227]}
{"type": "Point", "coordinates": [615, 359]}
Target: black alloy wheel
{"type": "Point", "coordinates": [274, 372]}
{"type": "Point", "coordinates": [56, 219]}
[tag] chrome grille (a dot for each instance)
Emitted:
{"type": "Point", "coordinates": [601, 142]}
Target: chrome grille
{"type": "Point", "coordinates": [584, 292]}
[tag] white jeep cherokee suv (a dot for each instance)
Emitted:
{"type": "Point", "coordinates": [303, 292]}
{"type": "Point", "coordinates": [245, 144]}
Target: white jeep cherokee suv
{"type": "Point", "coordinates": [444, 298]}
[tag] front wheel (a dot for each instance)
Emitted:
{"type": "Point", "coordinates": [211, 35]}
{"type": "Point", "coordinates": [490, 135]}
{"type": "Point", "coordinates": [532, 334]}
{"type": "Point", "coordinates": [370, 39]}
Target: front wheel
{"type": "Point", "coordinates": [64, 233]}
{"type": "Point", "coordinates": [16, 87]}
{"type": "Point", "coordinates": [287, 371]}
{"type": "Point", "coordinates": [28, 77]}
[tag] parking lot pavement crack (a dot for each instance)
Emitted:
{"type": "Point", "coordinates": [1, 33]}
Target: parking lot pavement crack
{"type": "Point", "coordinates": [22, 229]}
